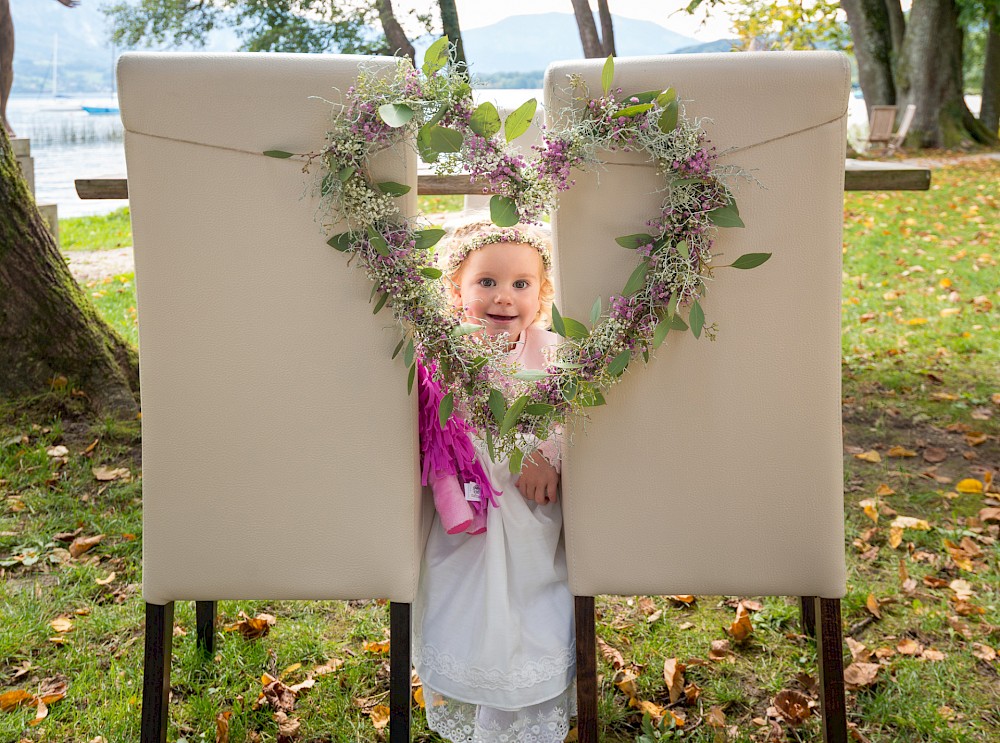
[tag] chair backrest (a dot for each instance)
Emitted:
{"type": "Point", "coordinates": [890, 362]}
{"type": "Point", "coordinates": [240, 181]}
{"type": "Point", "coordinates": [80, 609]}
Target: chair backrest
{"type": "Point", "coordinates": [280, 452]}
{"type": "Point", "coordinates": [717, 468]}
{"type": "Point", "coordinates": [881, 123]}
{"type": "Point", "coordinates": [904, 124]}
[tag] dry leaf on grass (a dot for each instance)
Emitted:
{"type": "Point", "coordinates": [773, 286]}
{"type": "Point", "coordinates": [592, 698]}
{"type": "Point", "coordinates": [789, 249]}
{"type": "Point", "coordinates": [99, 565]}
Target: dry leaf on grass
{"type": "Point", "coordinates": [107, 474]}
{"type": "Point", "coordinates": [83, 544]}
{"type": "Point", "coordinates": [379, 716]}
{"type": "Point", "coordinates": [376, 647]}
{"type": "Point", "coordinates": [793, 706]}
{"type": "Point", "coordinates": [969, 485]}
{"type": "Point", "coordinates": [741, 628]}
{"type": "Point", "coordinates": [900, 451]}
{"type": "Point", "coordinates": [62, 623]}
{"type": "Point", "coordinates": [673, 675]}
{"type": "Point", "coordinates": [984, 652]}
{"type": "Point", "coordinates": [222, 726]}
{"type": "Point", "coordinates": [871, 603]}
{"type": "Point", "coordinates": [329, 667]}
{"type": "Point", "coordinates": [11, 700]}
{"type": "Point", "coordinates": [252, 627]}
{"type": "Point", "coordinates": [611, 655]}
{"type": "Point", "coordinates": [858, 675]}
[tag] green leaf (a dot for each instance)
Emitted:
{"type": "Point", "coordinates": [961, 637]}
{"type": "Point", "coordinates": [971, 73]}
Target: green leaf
{"type": "Point", "coordinates": [726, 216]}
{"type": "Point", "coordinates": [399, 347]}
{"type": "Point", "coordinates": [515, 461]}
{"type": "Point", "coordinates": [539, 408]}
{"type": "Point", "coordinates": [566, 365]}
{"type": "Point", "coordinates": [646, 97]}
{"type": "Point", "coordinates": [378, 242]}
{"type": "Point", "coordinates": [697, 319]}
{"type": "Point", "coordinates": [444, 139]}
{"type": "Point", "coordinates": [343, 241]}
{"type": "Point", "coordinates": [530, 375]}
{"type": "Point", "coordinates": [326, 186]}
{"type": "Point", "coordinates": [595, 311]}
{"type": "Point", "coordinates": [668, 119]}
{"type": "Point", "coordinates": [498, 406]}
{"type": "Point", "coordinates": [575, 328]}
{"type": "Point", "coordinates": [346, 172]}
{"type": "Point", "coordinates": [465, 328]}
{"type": "Point", "coordinates": [593, 400]}
{"type": "Point", "coordinates": [409, 381]}
{"type": "Point", "coordinates": [636, 280]}
{"type": "Point", "coordinates": [557, 322]}
{"type": "Point", "coordinates": [682, 249]}
{"type": "Point", "coordinates": [520, 119]}
{"type": "Point", "coordinates": [629, 111]}
{"type": "Point", "coordinates": [445, 407]}
{"type": "Point", "coordinates": [608, 73]}
{"type": "Point", "coordinates": [431, 272]}
{"type": "Point", "coordinates": [677, 323]}
{"type": "Point", "coordinates": [381, 303]}
{"type": "Point", "coordinates": [438, 115]}
{"type": "Point", "coordinates": [427, 238]}
{"type": "Point", "coordinates": [408, 353]}
{"type": "Point", "coordinates": [372, 295]}
{"type": "Point", "coordinates": [619, 362]}
{"type": "Point", "coordinates": [750, 260]}
{"type": "Point", "coordinates": [512, 415]}
{"type": "Point", "coordinates": [634, 241]}
{"type": "Point", "coordinates": [503, 211]}
{"type": "Point", "coordinates": [489, 445]}
{"type": "Point", "coordinates": [436, 56]}
{"type": "Point", "coordinates": [427, 153]}
{"type": "Point", "coordinates": [660, 334]}
{"type": "Point", "coordinates": [569, 390]}
{"type": "Point", "coordinates": [485, 120]}
{"type": "Point", "coordinates": [395, 114]}
{"type": "Point", "coordinates": [393, 188]}
{"type": "Point", "coordinates": [280, 154]}
{"type": "Point", "coordinates": [666, 97]}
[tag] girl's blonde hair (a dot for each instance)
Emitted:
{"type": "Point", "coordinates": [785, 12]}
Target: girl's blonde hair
{"type": "Point", "coordinates": [461, 231]}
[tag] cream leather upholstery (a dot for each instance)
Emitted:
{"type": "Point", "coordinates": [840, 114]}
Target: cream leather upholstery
{"type": "Point", "coordinates": [717, 468]}
{"type": "Point", "coordinates": [280, 453]}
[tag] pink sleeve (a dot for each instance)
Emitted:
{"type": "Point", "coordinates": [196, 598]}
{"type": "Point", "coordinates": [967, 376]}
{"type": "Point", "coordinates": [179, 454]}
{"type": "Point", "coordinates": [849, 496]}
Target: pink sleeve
{"type": "Point", "coordinates": [551, 448]}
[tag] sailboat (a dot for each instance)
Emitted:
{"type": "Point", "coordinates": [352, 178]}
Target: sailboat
{"type": "Point", "coordinates": [105, 110]}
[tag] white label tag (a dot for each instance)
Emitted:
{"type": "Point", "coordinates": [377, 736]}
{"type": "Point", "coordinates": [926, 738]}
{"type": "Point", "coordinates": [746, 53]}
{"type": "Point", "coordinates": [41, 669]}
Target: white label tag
{"type": "Point", "coordinates": [472, 492]}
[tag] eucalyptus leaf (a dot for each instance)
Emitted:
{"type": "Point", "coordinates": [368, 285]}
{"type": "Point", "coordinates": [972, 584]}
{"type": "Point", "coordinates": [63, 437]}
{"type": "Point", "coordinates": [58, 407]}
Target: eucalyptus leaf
{"type": "Point", "coordinates": [395, 114]}
{"type": "Point", "coordinates": [515, 461]}
{"type": "Point", "coordinates": [445, 407]}
{"type": "Point", "coordinates": [431, 272]}
{"type": "Point", "coordinates": [489, 445]}
{"type": "Point", "coordinates": [326, 185]}
{"type": "Point", "coordinates": [436, 56]}
{"type": "Point", "coordinates": [666, 97]}
{"type": "Point", "coordinates": [465, 328]}
{"type": "Point", "coordinates": [409, 381]}
{"type": "Point", "coordinates": [513, 414]}
{"type": "Point", "coordinates": [498, 406]}
{"type": "Point", "coordinates": [503, 211]}
{"type": "Point", "coordinates": [645, 97]}
{"type": "Point", "coordinates": [660, 334]}
{"type": "Point", "coordinates": [346, 172]}
{"type": "Point", "coordinates": [608, 74]}
{"type": "Point", "coordinates": [575, 328]}
{"type": "Point", "coordinates": [530, 375]}
{"type": "Point", "coordinates": [381, 303]}
{"type": "Point", "coordinates": [379, 243]}
{"type": "Point", "coordinates": [519, 120]}
{"type": "Point", "coordinates": [444, 139]}
{"type": "Point", "coordinates": [569, 390]}
{"type": "Point", "coordinates": [619, 363]}
{"type": "Point", "coordinates": [566, 365]}
{"type": "Point", "coordinates": [630, 111]}
{"type": "Point", "coordinates": [645, 355]}
{"type": "Point", "coordinates": [634, 241]}
{"type": "Point", "coordinates": [750, 260]}
{"type": "Point", "coordinates": [399, 347]}
{"type": "Point", "coordinates": [595, 311]}
{"type": "Point", "coordinates": [677, 323]}
{"type": "Point", "coordinates": [427, 152]}
{"type": "Point", "coordinates": [427, 238]}
{"type": "Point", "coordinates": [438, 115]}
{"type": "Point", "coordinates": [668, 119]}
{"type": "Point", "coordinates": [539, 408]}
{"type": "Point", "coordinates": [697, 319]}
{"type": "Point", "coordinates": [280, 154]}
{"type": "Point", "coordinates": [636, 280]}
{"type": "Point", "coordinates": [682, 249]}
{"type": "Point", "coordinates": [557, 322]}
{"type": "Point", "coordinates": [726, 216]}
{"type": "Point", "coordinates": [593, 400]}
{"type": "Point", "coordinates": [343, 241]}
{"type": "Point", "coordinates": [408, 353]}
{"type": "Point", "coordinates": [392, 188]}
{"type": "Point", "coordinates": [485, 120]}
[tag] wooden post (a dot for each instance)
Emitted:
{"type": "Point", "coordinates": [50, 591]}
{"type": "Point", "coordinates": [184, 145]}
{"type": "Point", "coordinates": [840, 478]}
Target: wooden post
{"type": "Point", "coordinates": [829, 652]}
{"type": "Point", "coordinates": [399, 673]}
{"type": "Point", "coordinates": [586, 670]}
{"type": "Point", "coordinates": [807, 615]}
{"type": "Point", "coordinates": [156, 672]}
{"type": "Point", "coordinates": [205, 622]}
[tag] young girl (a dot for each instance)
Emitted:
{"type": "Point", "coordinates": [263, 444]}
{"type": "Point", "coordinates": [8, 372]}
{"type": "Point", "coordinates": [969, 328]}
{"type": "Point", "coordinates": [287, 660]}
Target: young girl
{"type": "Point", "coordinates": [493, 634]}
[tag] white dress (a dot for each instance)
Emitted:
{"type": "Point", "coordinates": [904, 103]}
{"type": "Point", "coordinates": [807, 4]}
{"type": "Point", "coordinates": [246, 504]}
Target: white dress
{"type": "Point", "coordinates": [493, 631]}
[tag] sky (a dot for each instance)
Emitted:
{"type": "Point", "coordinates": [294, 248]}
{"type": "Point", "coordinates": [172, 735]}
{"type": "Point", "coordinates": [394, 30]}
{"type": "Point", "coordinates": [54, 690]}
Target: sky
{"type": "Point", "coordinates": [476, 13]}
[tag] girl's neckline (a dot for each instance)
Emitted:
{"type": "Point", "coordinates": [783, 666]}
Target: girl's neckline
{"type": "Point", "coordinates": [514, 353]}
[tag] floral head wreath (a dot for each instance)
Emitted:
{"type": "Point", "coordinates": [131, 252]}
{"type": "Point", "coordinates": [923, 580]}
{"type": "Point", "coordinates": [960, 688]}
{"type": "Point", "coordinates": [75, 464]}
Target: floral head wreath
{"type": "Point", "coordinates": [461, 248]}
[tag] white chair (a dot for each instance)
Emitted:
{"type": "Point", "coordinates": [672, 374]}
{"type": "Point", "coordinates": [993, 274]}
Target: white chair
{"type": "Point", "coordinates": [904, 128]}
{"type": "Point", "coordinates": [720, 463]}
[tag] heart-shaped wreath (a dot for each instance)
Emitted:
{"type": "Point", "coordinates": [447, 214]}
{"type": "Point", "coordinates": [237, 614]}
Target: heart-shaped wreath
{"type": "Point", "coordinates": [512, 408]}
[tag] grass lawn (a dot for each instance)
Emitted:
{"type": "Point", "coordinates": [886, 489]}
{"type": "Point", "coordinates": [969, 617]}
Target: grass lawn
{"type": "Point", "coordinates": [921, 372]}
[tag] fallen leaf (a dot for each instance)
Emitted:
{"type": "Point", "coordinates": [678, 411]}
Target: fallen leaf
{"type": "Point", "coordinates": [57, 451]}
{"type": "Point", "coordinates": [307, 684]}
{"type": "Point", "coordinates": [106, 474]}
{"type": "Point", "coordinates": [962, 588]}
{"type": "Point", "coordinates": [41, 712]}
{"type": "Point", "coordinates": [379, 716]}
{"type": "Point", "coordinates": [685, 599]}
{"type": "Point", "coordinates": [62, 623]}
{"type": "Point", "coordinates": [884, 490]}
{"type": "Point", "coordinates": [989, 514]}
{"type": "Point", "coordinates": [691, 693]}
{"type": "Point", "coordinates": [655, 711]}
{"type": "Point", "coordinates": [934, 454]}
{"type": "Point", "coordinates": [105, 581]}
{"type": "Point", "coordinates": [871, 508]}
{"type": "Point", "coordinates": [909, 646]}
{"type": "Point", "coordinates": [869, 456]}
{"type": "Point", "coordinates": [909, 522]}
{"type": "Point", "coordinates": [625, 680]}
{"type": "Point", "coordinates": [969, 485]}
{"type": "Point", "coordinates": [252, 628]}
{"type": "Point", "coordinates": [654, 616]}
{"type": "Point", "coordinates": [222, 726]}
{"type": "Point", "coordinates": [871, 603]}
{"type": "Point", "coordinates": [975, 438]}
{"type": "Point", "coordinates": [716, 718]}
{"type": "Point", "coordinates": [719, 650]}
{"type": "Point", "coordinates": [741, 628]}
{"type": "Point", "coordinates": [858, 675]}
{"type": "Point", "coordinates": [984, 652]}
{"type": "Point", "coordinates": [932, 654]}
{"type": "Point", "coordinates": [673, 675]}
{"type": "Point", "coordinates": [329, 667]}
{"type": "Point", "coordinates": [376, 647]}
{"type": "Point", "coordinates": [11, 700]}
{"type": "Point", "coordinates": [83, 544]}
{"type": "Point", "coordinates": [418, 697]}
{"type": "Point", "coordinates": [858, 650]}
{"type": "Point", "coordinates": [900, 451]}
{"type": "Point", "coordinates": [611, 655]}
{"type": "Point", "coordinates": [67, 536]}
{"type": "Point", "coordinates": [288, 727]}
{"type": "Point", "coordinates": [793, 706]}
{"type": "Point", "coordinates": [895, 536]}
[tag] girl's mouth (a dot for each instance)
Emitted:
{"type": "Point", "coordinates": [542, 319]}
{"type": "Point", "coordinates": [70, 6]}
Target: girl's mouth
{"type": "Point", "coordinates": [502, 319]}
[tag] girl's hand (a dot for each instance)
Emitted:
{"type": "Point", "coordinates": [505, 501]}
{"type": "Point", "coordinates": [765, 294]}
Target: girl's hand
{"type": "Point", "coordinates": [539, 480]}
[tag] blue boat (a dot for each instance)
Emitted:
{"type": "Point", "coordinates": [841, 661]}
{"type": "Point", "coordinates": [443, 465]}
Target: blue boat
{"type": "Point", "coordinates": [100, 110]}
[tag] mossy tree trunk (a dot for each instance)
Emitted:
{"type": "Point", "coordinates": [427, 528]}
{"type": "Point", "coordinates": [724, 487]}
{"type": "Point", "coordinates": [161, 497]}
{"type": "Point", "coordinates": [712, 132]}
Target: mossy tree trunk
{"type": "Point", "coordinates": [48, 326]}
{"type": "Point", "coordinates": [989, 113]}
{"type": "Point", "coordinates": [871, 30]}
{"type": "Point", "coordinates": [453, 30]}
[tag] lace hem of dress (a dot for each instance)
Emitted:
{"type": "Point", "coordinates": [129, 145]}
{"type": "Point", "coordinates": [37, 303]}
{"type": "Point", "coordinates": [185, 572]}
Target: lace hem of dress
{"type": "Point", "coordinates": [531, 673]}
{"type": "Point", "coordinates": [461, 722]}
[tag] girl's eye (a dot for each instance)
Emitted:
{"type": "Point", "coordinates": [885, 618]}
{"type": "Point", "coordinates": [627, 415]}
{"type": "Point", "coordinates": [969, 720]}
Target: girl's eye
{"type": "Point", "coordinates": [520, 284]}
{"type": "Point", "coordinates": [487, 282]}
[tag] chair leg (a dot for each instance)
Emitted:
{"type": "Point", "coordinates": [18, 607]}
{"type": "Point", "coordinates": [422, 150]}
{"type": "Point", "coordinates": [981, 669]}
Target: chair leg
{"type": "Point", "coordinates": [807, 615]}
{"type": "Point", "coordinates": [156, 672]}
{"type": "Point", "coordinates": [399, 673]}
{"type": "Point", "coordinates": [205, 622]}
{"type": "Point", "coordinates": [586, 670]}
{"type": "Point", "coordinates": [829, 649]}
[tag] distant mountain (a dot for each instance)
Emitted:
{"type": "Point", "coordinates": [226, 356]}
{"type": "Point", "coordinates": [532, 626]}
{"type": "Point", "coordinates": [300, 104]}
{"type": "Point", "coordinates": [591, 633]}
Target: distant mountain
{"type": "Point", "coordinates": [722, 45]}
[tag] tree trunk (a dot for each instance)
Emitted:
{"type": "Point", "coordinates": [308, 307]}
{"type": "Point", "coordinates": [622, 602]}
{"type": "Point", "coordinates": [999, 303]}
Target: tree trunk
{"type": "Point", "coordinates": [394, 34]}
{"type": "Point", "coordinates": [872, 36]}
{"type": "Point", "coordinates": [48, 327]}
{"type": "Point", "coordinates": [930, 76]}
{"type": "Point", "coordinates": [989, 112]}
{"type": "Point", "coordinates": [897, 27]}
{"type": "Point", "coordinates": [592, 46]}
{"type": "Point", "coordinates": [607, 28]}
{"type": "Point", "coordinates": [452, 29]}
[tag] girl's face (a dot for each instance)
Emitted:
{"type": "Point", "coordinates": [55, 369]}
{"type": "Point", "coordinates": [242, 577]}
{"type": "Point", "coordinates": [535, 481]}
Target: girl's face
{"type": "Point", "coordinates": [499, 287]}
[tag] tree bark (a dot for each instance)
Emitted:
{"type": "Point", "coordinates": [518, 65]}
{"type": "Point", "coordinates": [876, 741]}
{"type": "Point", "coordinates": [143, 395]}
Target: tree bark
{"type": "Point", "coordinates": [607, 28]}
{"type": "Point", "coordinates": [872, 36]}
{"type": "Point", "coordinates": [592, 46]}
{"type": "Point", "coordinates": [930, 76]}
{"type": "Point", "coordinates": [394, 34]}
{"type": "Point", "coordinates": [989, 112]}
{"type": "Point", "coordinates": [48, 327]}
{"type": "Point", "coordinates": [897, 26]}
{"type": "Point", "coordinates": [453, 30]}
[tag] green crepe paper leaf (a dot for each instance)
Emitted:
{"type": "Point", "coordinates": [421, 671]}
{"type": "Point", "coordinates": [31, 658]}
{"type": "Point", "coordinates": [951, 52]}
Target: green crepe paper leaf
{"type": "Point", "coordinates": [409, 381]}
{"type": "Point", "coordinates": [608, 73]}
{"type": "Point", "coordinates": [436, 56]}
{"type": "Point", "coordinates": [682, 249]}
{"type": "Point", "coordinates": [660, 334]}
{"type": "Point", "coordinates": [485, 120]}
{"type": "Point", "coordinates": [557, 322]}
{"type": "Point", "coordinates": [346, 172]}
{"type": "Point", "coordinates": [569, 390]}
{"type": "Point", "coordinates": [431, 272]}
{"type": "Point", "coordinates": [515, 462]}
{"type": "Point", "coordinates": [636, 280]}
{"type": "Point", "coordinates": [427, 238]}
{"type": "Point", "coordinates": [408, 353]}
{"type": "Point", "coordinates": [750, 260]}
{"type": "Point", "coordinates": [343, 241]}
{"type": "Point", "coordinates": [381, 303]}
{"type": "Point", "coordinates": [666, 97]}
{"type": "Point", "coordinates": [697, 319]}
{"type": "Point", "coordinates": [677, 323]}
{"type": "Point", "coordinates": [634, 241]}
{"type": "Point", "coordinates": [513, 413]}
{"type": "Point", "coordinates": [445, 139]}
{"type": "Point", "coordinates": [395, 114]}
{"type": "Point", "coordinates": [381, 246]}
{"type": "Point", "coordinates": [595, 311]}
{"type": "Point", "coordinates": [399, 347]}
{"type": "Point", "coordinates": [503, 211]}
{"type": "Point", "coordinates": [619, 362]}
{"type": "Point", "coordinates": [539, 408]}
{"type": "Point", "coordinates": [489, 445]}
{"type": "Point", "coordinates": [575, 328]}
{"type": "Point", "coordinates": [280, 154]}
{"type": "Point", "coordinates": [726, 216]}
{"type": "Point", "coordinates": [530, 375]}
{"type": "Point", "coordinates": [520, 119]}
{"type": "Point", "coordinates": [498, 406]}
{"type": "Point", "coordinates": [668, 119]}
{"type": "Point", "coordinates": [392, 188]}
{"type": "Point", "coordinates": [465, 328]}
{"type": "Point", "coordinates": [445, 407]}
{"type": "Point", "coordinates": [638, 108]}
